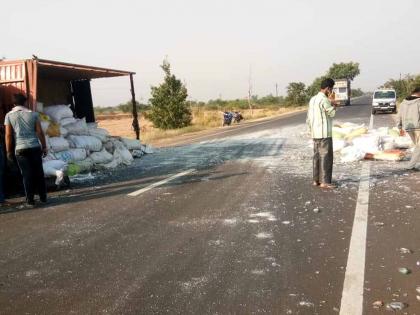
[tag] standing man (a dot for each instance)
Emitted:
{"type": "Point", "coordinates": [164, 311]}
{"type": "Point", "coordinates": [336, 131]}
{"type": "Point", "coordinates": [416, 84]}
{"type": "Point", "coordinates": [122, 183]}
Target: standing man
{"type": "Point", "coordinates": [409, 120]}
{"type": "Point", "coordinates": [320, 113]}
{"type": "Point", "coordinates": [25, 126]}
{"type": "Point", "coordinates": [2, 168]}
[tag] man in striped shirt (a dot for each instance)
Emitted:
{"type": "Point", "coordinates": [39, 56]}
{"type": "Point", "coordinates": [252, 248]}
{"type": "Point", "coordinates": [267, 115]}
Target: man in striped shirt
{"type": "Point", "coordinates": [320, 114]}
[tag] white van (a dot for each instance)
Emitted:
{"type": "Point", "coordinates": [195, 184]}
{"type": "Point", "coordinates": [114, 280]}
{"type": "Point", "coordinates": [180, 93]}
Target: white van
{"type": "Point", "coordinates": [384, 100]}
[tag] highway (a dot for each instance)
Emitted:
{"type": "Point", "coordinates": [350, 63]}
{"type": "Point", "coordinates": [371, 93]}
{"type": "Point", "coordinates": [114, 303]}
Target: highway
{"type": "Point", "coordinates": [226, 223]}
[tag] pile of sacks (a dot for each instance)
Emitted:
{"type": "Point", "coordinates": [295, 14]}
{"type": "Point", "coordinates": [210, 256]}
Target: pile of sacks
{"type": "Point", "coordinates": [356, 142]}
{"type": "Point", "coordinates": [76, 147]}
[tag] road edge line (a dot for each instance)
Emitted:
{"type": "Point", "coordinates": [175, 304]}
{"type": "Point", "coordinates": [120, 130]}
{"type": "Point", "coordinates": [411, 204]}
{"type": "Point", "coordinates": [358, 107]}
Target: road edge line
{"type": "Point", "coordinates": [160, 183]}
{"type": "Point", "coordinates": [353, 287]}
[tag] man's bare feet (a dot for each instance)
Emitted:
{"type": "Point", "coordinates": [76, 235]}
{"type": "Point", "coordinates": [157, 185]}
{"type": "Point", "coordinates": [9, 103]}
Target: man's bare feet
{"type": "Point", "coordinates": [328, 186]}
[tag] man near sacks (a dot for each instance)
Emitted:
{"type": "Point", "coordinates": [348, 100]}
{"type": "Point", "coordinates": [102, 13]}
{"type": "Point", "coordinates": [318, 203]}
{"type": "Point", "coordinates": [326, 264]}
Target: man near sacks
{"type": "Point", "coordinates": [409, 120]}
{"type": "Point", "coordinates": [319, 119]}
{"type": "Point", "coordinates": [24, 126]}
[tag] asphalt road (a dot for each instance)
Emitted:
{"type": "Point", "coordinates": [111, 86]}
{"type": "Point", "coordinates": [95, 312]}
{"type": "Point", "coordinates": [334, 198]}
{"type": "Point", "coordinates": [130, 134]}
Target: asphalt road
{"type": "Point", "coordinates": [241, 232]}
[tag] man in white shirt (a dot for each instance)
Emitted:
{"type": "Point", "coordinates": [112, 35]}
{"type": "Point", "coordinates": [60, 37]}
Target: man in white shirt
{"type": "Point", "coordinates": [320, 114]}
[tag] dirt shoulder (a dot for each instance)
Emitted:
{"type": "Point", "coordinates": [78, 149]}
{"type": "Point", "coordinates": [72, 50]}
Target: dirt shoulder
{"type": "Point", "coordinates": [120, 125]}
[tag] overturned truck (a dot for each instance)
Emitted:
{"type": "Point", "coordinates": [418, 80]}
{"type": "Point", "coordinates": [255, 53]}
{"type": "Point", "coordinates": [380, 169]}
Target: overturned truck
{"type": "Point", "coordinates": [48, 83]}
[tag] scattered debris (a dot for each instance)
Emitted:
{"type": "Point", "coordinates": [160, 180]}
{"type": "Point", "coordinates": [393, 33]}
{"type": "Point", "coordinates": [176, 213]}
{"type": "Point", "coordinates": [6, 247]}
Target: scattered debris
{"type": "Point", "coordinates": [396, 306]}
{"type": "Point", "coordinates": [404, 250]}
{"type": "Point", "coordinates": [316, 210]}
{"type": "Point", "coordinates": [264, 235]}
{"type": "Point", "coordinates": [404, 271]}
{"type": "Point", "coordinates": [306, 304]}
{"type": "Point", "coordinates": [377, 304]}
{"type": "Point", "coordinates": [379, 224]}
{"type": "Point", "coordinates": [286, 222]}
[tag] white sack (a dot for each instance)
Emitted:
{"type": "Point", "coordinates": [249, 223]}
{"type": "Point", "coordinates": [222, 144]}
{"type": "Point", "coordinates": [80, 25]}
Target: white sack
{"type": "Point", "coordinates": [58, 112]}
{"type": "Point", "coordinates": [57, 144]}
{"type": "Point", "coordinates": [110, 165]}
{"type": "Point", "coordinates": [109, 146]}
{"type": "Point", "coordinates": [67, 121]}
{"type": "Point", "coordinates": [86, 142]}
{"type": "Point", "coordinates": [78, 128]}
{"type": "Point", "coordinates": [63, 131]}
{"type": "Point", "coordinates": [55, 168]}
{"type": "Point", "coordinates": [92, 125]}
{"type": "Point", "coordinates": [101, 134]}
{"type": "Point", "coordinates": [131, 144]}
{"type": "Point", "coordinates": [387, 142]}
{"type": "Point", "coordinates": [367, 143]}
{"type": "Point", "coordinates": [404, 142]}
{"type": "Point", "coordinates": [149, 149]}
{"type": "Point", "coordinates": [101, 157]}
{"type": "Point", "coordinates": [339, 144]}
{"type": "Point", "coordinates": [124, 154]}
{"type": "Point", "coordinates": [85, 166]}
{"type": "Point", "coordinates": [72, 155]}
{"type": "Point", "coordinates": [351, 154]}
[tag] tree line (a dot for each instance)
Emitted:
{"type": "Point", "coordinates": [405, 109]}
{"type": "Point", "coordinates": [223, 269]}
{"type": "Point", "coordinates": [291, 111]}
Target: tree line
{"type": "Point", "coordinates": [169, 108]}
{"type": "Point", "coordinates": [299, 94]}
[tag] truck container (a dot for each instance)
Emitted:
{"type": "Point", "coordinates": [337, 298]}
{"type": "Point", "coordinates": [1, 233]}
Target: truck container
{"type": "Point", "coordinates": [342, 90]}
{"type": "Point", "coordinates": [47, 82]}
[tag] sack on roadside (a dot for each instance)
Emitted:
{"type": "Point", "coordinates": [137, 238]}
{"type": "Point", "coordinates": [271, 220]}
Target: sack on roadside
{"type": "Point", "coordinates": [367, 143]}
{"type": "Point", "coordinates": [404, 142]}
{"type": "Point", "coordinates": [101, 134]}
{"type": "Point", "coordinates": [389, 155]}
{"type": "Point", "coordinates": [351, 154]}
{"type": "Point", "coordinates": [71, 155]}
{"type": "Point", "coordinates": [55, 168]}
{"type": "Point", "coordinates": [79, 127]}
{"type": "Point", "coordinates": [86, 142]}
{"type": "Point", "coordinates": [84, 166]}
{"type": "Point", "coordinates": [101, 157]}
{"type": "Point", "coordinates": [67, 121]}
{"type": "Point", "coordinates": [124, 155]}
{"type": "Point", "coordinates": [131, 144]}
{"type": "Point", "coordinates": [58, 112]}
{"type": "Point", "coordinates": [339, 144]}
{"type": "Point", "coordinates": [63, 131]}
{"type": "Point", "coordinates": [57, 144]}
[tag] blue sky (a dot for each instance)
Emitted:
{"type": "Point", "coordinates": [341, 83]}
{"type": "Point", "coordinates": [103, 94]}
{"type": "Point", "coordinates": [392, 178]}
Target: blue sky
{"type": "Point", "coordinates": [213, 44]}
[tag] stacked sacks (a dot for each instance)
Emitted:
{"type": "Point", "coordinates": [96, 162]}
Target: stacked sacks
{"type": "Point", "coordinates": [82, 147]}
{"type": "Point", "coordinates": [356, 142]}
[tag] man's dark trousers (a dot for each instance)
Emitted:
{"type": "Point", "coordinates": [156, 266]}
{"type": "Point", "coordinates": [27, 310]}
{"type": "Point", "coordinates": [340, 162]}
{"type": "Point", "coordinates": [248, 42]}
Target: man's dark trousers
{"type": "Point", "coordinates": [30, 165]}
{"type": "Point", "coordinates": [323, 160]}
{"type": "Point", "coordinates": [2, 166]}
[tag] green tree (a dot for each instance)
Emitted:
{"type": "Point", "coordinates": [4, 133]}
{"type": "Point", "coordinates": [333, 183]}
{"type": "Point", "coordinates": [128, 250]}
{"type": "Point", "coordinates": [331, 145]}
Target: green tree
{"type": "Point", "coordinates": [344, 70]}
{"type": "Point", "coordinates": [404, 86]}
{"type": "Point", "coordinates": [357, 92]}
{"type": "Point", "coordinates": [314, 88]}
{"type": "Point", "coordinates": [169, 106]}
{"type": "Point", "coordinates": [296, 94]}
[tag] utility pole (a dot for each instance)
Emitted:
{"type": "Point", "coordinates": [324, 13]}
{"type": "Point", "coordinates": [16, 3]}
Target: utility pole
{"type": "Point", "coordinates": [250, 90]}
{"type": "Point", "coordinates": [277, 90]}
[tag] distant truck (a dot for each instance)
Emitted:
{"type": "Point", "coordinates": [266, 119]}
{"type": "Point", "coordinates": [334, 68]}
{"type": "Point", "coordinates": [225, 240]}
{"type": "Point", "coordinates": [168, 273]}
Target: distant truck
{"type": "Point", "coordinates": [384, 100]}
{"type": "Point", "coordinates": [342, 91]}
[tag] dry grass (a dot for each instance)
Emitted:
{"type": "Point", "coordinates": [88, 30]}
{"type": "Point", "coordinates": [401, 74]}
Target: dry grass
{"type": "Point", "coordinates": [120, 124]}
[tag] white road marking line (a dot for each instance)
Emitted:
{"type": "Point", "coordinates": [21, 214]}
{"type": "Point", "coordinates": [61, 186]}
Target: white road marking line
{"type": "Point", "coordinates": [353, 288]}
{"type": "Point", "coordinates": [160, 183]}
